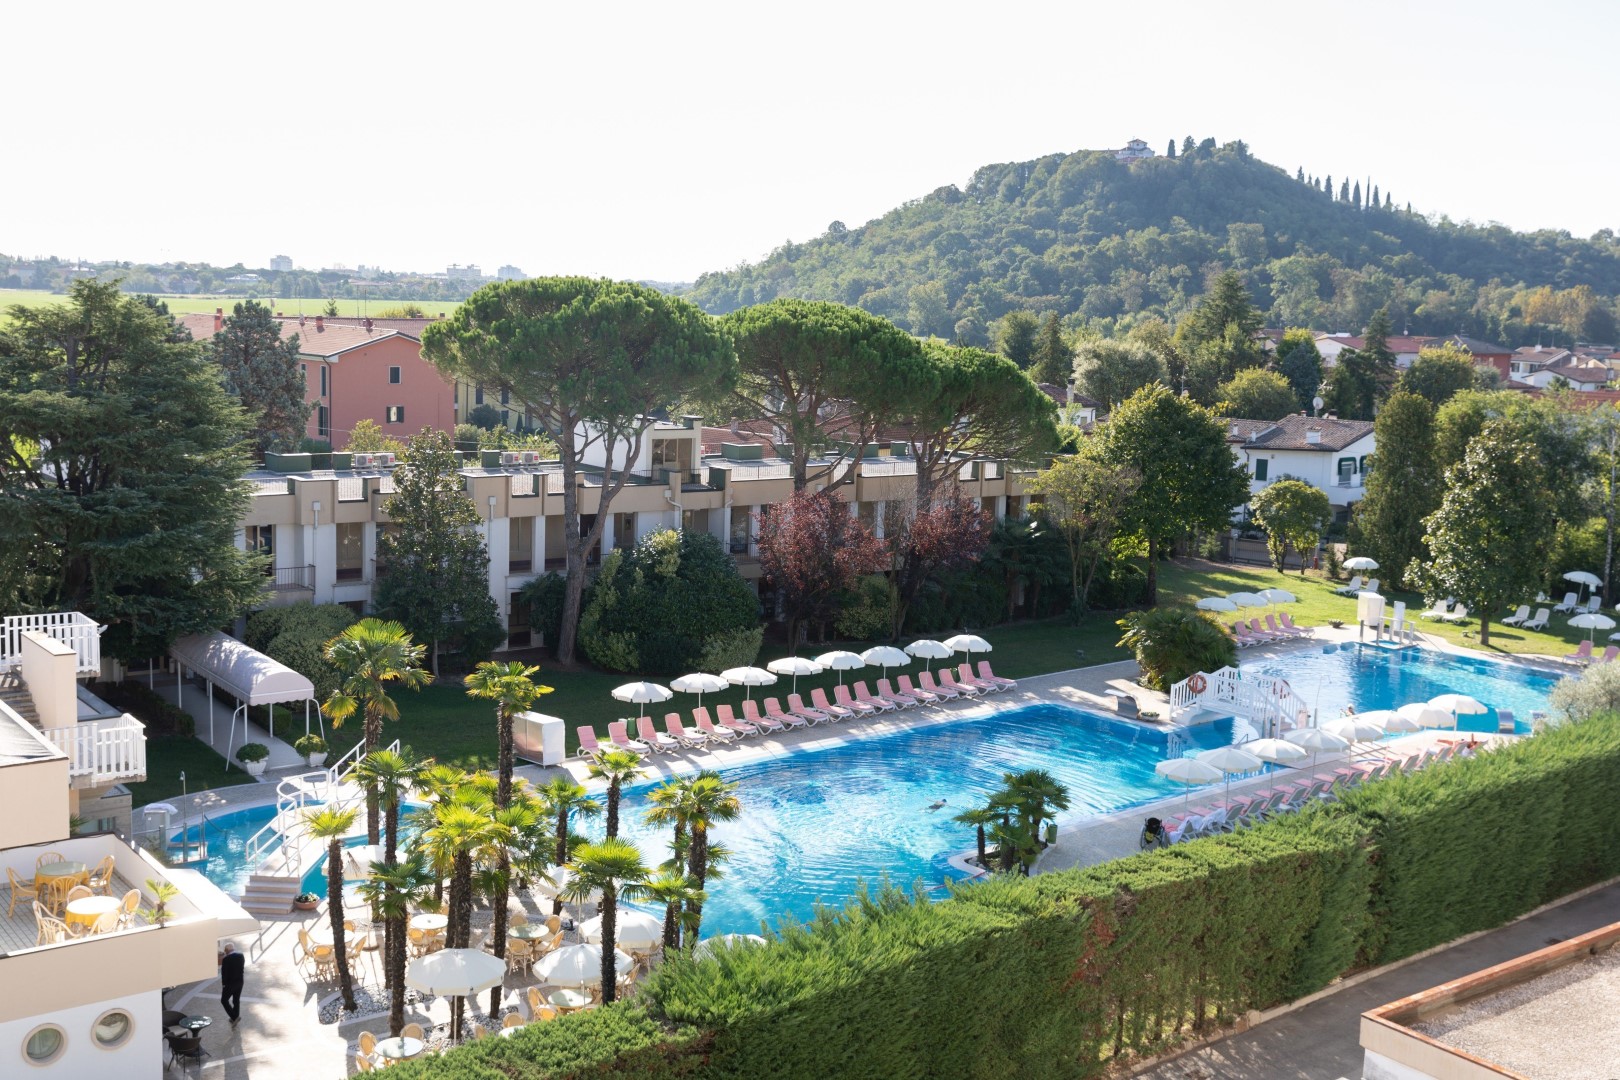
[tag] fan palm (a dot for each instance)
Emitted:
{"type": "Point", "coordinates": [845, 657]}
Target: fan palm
{"type": "Point", "coordinates": [1035, 794]}
{"type": "Point", "coordinates": [439, 783]}
{"type": "Point", "coordinates": [707, 800]}
{"type": "Point", "coordinates": [367, 657]}
{"type": "Point", "coordinates": [613, 867]}
{"type": "Point", "coordinates": [332, 825]}
{"type": "Point", "coordinates": [674, 890]}
{"type": "Point", "coordinates": [511, 687]}
{"type": "Point", "coordinates": [617, 767]}
{"type": "Point", "coordinates": [463, 835]}
{"type": "Point", "coordinates": [392, 776]}
{"type": "Point", "coordinates": [665, 809]}
{"type": "Point", "coordinates": [561, 798]}
{"type": "Point", "coordinates": [393, 889]}
{"type": "Point", "coordinates": [980, 817]}
{"type": "Point", "coordinates": [513, 821]}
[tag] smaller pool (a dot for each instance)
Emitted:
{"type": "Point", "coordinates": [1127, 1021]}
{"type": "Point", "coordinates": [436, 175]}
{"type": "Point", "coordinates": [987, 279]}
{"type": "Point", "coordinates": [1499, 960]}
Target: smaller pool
{"type": "Point", "coordinates": [216, 847]}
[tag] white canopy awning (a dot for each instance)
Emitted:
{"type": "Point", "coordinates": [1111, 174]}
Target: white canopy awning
{"type": "Point", "coordinates": [247, 674]}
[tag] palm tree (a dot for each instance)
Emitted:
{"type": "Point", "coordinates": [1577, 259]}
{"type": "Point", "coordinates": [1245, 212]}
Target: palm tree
{"type": "Point", "coordinates": [617, 767]}
{"type": "Point", "coordinates": [666, 809]}
{"type": "Point", "coordinates": [464, 833]}
{"type": "Point", "coordinates": [562, 797]}
{"type": "Point", "coordinates": [1036, 795]}
{"type": "Point", "coordinates": [613, 867]}
{"type": "Point", "coordinates": [393, 889]}
{"type": "Point", "coordinates": [515, 820]}
{"type": "Point", "coordinates": [674, 890]}
{"type": "Point", "coordinates": [393, 777]}
{"type": "Point", "coordinates": [708, 799]}
{"type": "Point", "coordinates": [512, 689]}
{"type": "Point", "coordinates": [332, 825]}
{"type": "Point", "coordinates": [980, 817]}
{"type": "Point", "coordinates": [439, 783]}
{"type": "Point", "coordinates": [368, 656]}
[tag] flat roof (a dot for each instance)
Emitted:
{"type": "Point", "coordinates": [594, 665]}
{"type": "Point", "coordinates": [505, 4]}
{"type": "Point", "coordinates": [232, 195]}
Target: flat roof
{"type": "Point", "coordinates": [20, 743]}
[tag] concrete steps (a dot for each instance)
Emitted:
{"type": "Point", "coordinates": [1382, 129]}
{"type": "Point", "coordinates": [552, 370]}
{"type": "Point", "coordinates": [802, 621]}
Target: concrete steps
{"type": "Point", "coordinates": [20, 701]}
{"type": "Point", "coordinates": [269, 896]}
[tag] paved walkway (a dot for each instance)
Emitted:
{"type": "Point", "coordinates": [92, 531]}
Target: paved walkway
{"type": "Point", "coordinates": [215, 728]}
{"type": "Point", "coordinates": [1321, 1041]}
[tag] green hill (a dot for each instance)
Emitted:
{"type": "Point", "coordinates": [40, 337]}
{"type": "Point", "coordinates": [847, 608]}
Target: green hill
{"type": "Point", "coordinates": [1108, 243]}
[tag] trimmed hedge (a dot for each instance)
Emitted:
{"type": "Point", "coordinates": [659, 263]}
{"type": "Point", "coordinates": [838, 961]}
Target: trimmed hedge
{"type": "Point", "coordinates": [1061, 974]}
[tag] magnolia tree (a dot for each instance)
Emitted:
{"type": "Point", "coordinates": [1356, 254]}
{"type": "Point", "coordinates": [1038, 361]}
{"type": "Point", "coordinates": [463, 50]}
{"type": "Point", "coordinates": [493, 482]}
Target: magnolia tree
{"type": "Point", "coordinates": [814, 552]}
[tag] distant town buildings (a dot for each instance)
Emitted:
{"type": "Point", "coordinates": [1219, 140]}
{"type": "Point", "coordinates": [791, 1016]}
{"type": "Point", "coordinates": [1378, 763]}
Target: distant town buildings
{"type": "Point", "coordinates": [510, 273]}
{"type": "Point", "coordinates": [281, 264]}
{"type": "Point", "coordinates": [463, 273]}
{"type": "Point", "coordinates": [1135, 150]}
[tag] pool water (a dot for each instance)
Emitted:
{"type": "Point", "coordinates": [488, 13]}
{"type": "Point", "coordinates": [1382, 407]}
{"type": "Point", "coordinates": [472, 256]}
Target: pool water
{"type": "Point", "coordinates": [1368, 677]}
{"type": "Point", "coordinates": [815, 823]}
{"type": "Point", "coordinates": [224, 838]}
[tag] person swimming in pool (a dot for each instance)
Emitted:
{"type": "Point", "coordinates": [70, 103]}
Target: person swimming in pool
{"type": "Point", "coordinates": [936, 805]}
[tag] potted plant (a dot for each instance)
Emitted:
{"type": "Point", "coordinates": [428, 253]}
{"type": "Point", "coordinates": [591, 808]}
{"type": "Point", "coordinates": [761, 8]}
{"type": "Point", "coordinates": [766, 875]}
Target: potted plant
{"type": "Point", "coordinates": [254, 758]}
{"type": "Point", "coordinates": [306, 901]}
{"type": "Point", "coordinates": [162, 892]}
{"type": "Point", "coordinates": [313, 747]}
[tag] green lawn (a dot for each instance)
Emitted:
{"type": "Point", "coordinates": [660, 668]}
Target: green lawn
{"type": "Point", "coordinates": [442, 722]}
{"type": "Point", "coordinates": [199, 304]}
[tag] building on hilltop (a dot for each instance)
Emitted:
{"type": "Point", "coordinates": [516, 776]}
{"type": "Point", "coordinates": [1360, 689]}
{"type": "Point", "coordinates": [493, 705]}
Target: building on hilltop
{"type": "Point", "coordinates": [1405, 347]}
{"type": "Point", "coordinates": [358, 372]}
{"type": "Point", "coordinates": [1538, 367]}
{"type": "Point", "coordinates": [1135, 150]}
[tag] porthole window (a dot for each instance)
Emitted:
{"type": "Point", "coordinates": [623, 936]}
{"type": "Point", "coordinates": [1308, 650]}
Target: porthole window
{"type": "Point", "coordinates": [112, 1029]}
{"type": "Point", "coordinates": [44, 1044]}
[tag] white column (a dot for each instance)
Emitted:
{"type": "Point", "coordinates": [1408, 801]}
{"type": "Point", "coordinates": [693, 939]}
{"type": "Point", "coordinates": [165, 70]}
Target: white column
{"type": "Point", "coordinates": [1001, 508]}
{"type": "Point", "coordinates": [607, 534]}
{"type": "Point", "coordinates": [498, 542]}
{"type": "Point", "coordinates": [877, 518]}
{"type": "Point", "coordinates": [722, 531]}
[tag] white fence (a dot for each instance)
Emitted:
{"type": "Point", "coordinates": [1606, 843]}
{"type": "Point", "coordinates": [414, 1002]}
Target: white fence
{"type": "Point", "coordinates": [103, 751]}
{"type": "Point", "coordinates": [77, 631]}
{"type": "Point", "coordinates": [1271, 703]}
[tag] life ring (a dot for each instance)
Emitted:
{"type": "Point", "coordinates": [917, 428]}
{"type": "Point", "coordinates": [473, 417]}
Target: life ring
{"type": "Point", "coordinates": [1197, 684]}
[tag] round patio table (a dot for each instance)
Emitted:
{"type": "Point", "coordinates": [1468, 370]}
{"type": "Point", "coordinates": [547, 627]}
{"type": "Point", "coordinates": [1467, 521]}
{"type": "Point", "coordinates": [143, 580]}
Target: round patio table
{"type": "Point", "coordinates": [506, 1033]}
{"type": "Point", "coordinates": [51, 871]}
{"type": "Point", "coordinates": [87, 909]}
{"type": "Point", "coordinates": [568, 999]}
{"type": "Point", "coordinates": [195, 1024]}
{"type": "Point", "coordinates": [400, 1047]}
{"type": "Point", "coordinates": [428, 920]}
{"type": "Point", "coordinates": [529, 932]}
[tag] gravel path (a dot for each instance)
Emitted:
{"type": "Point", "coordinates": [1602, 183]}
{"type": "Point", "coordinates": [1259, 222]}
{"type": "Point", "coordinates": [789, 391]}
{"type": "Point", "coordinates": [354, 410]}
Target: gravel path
{"type": "Point", "coordinates": [1564, 1025]}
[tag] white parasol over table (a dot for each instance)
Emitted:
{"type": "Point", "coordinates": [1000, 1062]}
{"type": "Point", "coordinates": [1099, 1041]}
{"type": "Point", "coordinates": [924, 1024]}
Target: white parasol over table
{"type": "Point", "coordinates": [886, 657]}
{"type": "Point", "coordinates": [699, 683]}
{"type": "Point", "coordinates": [455, 973]}
{"type": "Point", "coordinates": [840, 660]}
{"type": "Point", "coordinates": [748, 678]}
{"type": "Point", "coordinates": [634, 930]}
{"type": "Point", "coordinates": [578, 965]}
{"type": "Point", "coordinates": [1361, 562]}
{"type": "Point", "coordinates": [710, 946]}
{"type": "Point", "coordinates": [929, 649]}
{"type": "Point", "coordinates": [967, 643]}
{"type": "Point", "coordinates": [1188, 771]}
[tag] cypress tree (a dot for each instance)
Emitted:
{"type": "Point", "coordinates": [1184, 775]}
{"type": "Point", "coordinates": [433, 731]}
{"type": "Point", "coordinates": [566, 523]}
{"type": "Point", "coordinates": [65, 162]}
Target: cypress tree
{"type": "Point", "coordinates": [1170, 151]}
{"type": "Point", "coordinates": [1328, 186]}
{"type": "Point", "coordinates": [1376, 201]}
{"type": "Point", "coordinates": [1403, 487]}
{"type": "Point", "coordinates": [1187, 146]}
{"type": "Point", "coordinates": [1355, 195]}
{"type": "Point", "coordinates": [1300, 175]}
{"type": "Point", "coordinates": [1344, 190]}
{"type": "Point", "coordinates": [1053, 359]}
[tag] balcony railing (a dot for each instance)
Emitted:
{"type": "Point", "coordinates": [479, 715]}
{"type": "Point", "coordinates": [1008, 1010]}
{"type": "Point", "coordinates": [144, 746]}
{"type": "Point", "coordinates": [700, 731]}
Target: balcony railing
{"type": "Point", "coordinates": [1349, 481]}
{"type": "Point", "coordinates": [889, 468]}
{"type": "Point", "coordinates": [783, 471]}
{"type": "Point", "coordinates": [74, 629]}
{"type": "Point", "coordinates": [351, 489]}
{"type": "Point", "coordinates": [102, 751]}
{"type": "Point", "coordinates": [292, 579]}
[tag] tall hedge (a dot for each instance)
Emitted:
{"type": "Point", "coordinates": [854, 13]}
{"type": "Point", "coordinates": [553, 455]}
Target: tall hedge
{"type": "Point", "coordinates": [1061, 974]}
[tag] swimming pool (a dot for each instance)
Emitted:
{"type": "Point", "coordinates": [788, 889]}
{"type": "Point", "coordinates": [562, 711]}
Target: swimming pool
{"type": "Point", "coordinates": [1368, 677]}
{"type": "Point", "coordinates": [816, 823]}
{"type": "Point", "coordinates": [225, 837]}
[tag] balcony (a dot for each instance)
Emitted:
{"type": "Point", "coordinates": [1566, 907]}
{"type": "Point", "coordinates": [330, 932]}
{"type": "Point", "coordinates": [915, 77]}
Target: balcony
{"type": "Point", "coordinates": [102, 752]}
{"type": "Point", "coordinates": [77, 631]}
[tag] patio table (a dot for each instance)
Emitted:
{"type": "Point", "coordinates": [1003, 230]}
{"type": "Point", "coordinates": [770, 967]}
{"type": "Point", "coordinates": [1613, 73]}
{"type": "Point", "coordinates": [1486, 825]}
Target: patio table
{"type": "Point", "coordinates": [400, 1047]}
{"type": "Point", "coordinates": [69, 869]}
{"type": "Point", "coordinates": [529, 932]}
{"type": "Point", "coordinates": [568, 999]}
{"type": "Point", "coordinates": [428, 920]}
{"type": "Point", "coordinates": [87, 909]}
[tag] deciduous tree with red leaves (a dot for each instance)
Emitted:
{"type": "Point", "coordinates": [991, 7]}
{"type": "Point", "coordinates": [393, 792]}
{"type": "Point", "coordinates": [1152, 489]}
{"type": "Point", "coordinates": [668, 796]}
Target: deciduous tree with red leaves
{"type": "Point", "coordinates": [951, 532]}
{"type": "Point", "coordinates": [814, 551]}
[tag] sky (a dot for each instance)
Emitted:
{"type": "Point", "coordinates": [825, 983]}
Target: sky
{"type": "Point", "coordinates": [660, 141]}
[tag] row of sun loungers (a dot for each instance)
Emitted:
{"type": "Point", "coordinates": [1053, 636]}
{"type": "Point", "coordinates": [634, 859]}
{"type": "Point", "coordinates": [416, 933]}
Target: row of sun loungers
{"type": "Point", "coordinates": [1256, 806]}
{"type": "Point", "coordinates": [760, 717]}
{"type": "Point", "coordinates": [1583, 654]}
{"type": "Point", "coordinates": [1356, 586]}
{"type": "Point", "coordinates": [1252, 633]}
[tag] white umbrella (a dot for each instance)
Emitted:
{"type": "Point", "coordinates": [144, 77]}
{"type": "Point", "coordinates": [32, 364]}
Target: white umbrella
{"type": "Point", "coordinates": [560, 878]}
{"type": "Point", "coordinates": [1584, 579]}
{"type": "Point", "coordinates": [1591, 620]}
{"type": "Point", "coordinates": [1215, 603]}
{"type": "Point", "coordinates": [929, 650]}
{"type": "Point", "coordinates": [886, 657]}
{"type": "Point", "coordinates": [1355, 729]}
{"type": "Point", "coordinates": [1425, 715]}
{"type": "Point", "coordinates": [840, 660]}
{"type": "Point", "coordinates": [968, 643]}
{"type": "Point", "coordinates": [710, 946]}
{"type": "Point", "coordinates": [640, 693]}
{"type": "Point", "coordinates": [748, 678]}
{"type": "Point", "coordinates": [1188, 771]}
{"type": "Point", "coordinates": [456, 973]}
{"type": "Point", "coordinates": [1230, 759]}
{"type": "Point", "coordinates": [357, 860]}
{"type": "Point", "coordinates": [1278, 596]}
{"type": "Point", "coordinates": [1276, 751]}
{"type": "Point", "coordinates": [635, 930]}
{"type": "Point", "coordinates": [1316, 740]}
{"type": "Point", "coordinates": [699, 683]}
{"type": "Point", "coordinates": [795, 666]}
{"type": "Point", "coordinates": [1361, 562]}
{"type": "Point", "coordinates": [577, 965]}
{"type": "Point", "coordinates": [1459, 704]}
{"type": "Point", "coordinates": [1391, 720]}
{"type": "Point", "coordinates": [1247, 599]}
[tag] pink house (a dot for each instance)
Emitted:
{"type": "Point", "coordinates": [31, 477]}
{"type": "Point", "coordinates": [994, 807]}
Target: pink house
{"type": "Point", "coordinates": [354, 373]}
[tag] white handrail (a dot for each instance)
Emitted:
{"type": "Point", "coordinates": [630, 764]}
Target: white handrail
{"type": "Point", "coordinates": [292, 795]}
{"type": "Point", "coordinates": [1269, 701]}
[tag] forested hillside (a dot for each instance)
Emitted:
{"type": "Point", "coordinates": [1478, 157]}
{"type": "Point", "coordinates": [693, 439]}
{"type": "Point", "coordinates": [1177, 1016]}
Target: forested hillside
{"type": "Point", "coordinates": [1106, 244]}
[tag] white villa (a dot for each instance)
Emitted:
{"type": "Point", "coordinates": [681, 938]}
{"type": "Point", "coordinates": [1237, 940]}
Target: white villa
{"type": "Point", "coordinates": [81, 997]}
{"type": "Point", "coordinates": [1323, 451]}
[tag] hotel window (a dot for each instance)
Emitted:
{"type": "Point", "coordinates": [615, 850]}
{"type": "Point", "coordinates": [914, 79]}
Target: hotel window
{"type": "Point", "coordinates": [478, 396]}
{"type": "Point", "coordinates": [395, 414]}
{"type": "Point", "coordinates": [323, 380]}
{"type": "Point", "coordinates": [520, 537]}
{"type": "Point", "coordinates": [506, 397]}
{"type": "Point", "coordinates": [624, 530]}
{"type": "Point", "coordinates": [393, 375]}
{"type": "Point", "coordinates": [44, 1044]}
{"type": "Point", "coordinates": [518, 633]}
{"type": "Point", "coordinates": [112, 1029]}
{"type": "Point", "coordinates": [351, 550]}
{"type": "Point", "coordinates": [1260, 465]}
{"type": "Point", "coordinates": [323, 421]}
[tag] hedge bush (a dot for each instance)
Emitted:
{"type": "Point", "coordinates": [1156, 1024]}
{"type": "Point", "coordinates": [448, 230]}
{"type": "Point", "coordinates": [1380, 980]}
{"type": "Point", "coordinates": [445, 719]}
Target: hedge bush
{"type": "Point", "coordinates": [1063, 974]}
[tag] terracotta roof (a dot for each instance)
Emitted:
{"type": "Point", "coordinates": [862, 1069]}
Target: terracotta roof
{"type": "Point", "coordinates": [754, 432]}
{"type": "Point", "coordinates": [1579, 373]}
{"type": "Point", "coordinates": [1476, 346]}
{"type": "Point", "coordinates": [1402, 343]}
{"type": "Point", "coordinates": [1060, 394]}
{"type": "Point", "coordinates": [1289, 433]}
{"type": "Point", "coordinates": [329, 340]}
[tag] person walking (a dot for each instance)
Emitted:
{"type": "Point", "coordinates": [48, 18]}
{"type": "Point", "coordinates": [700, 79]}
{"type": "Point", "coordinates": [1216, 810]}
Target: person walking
{"type": "Point", "coordinates": [232, 969]}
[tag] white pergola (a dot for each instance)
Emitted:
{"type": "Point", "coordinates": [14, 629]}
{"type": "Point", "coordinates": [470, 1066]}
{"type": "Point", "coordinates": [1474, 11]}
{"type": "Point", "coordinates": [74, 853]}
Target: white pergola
{"type": "Point", "coordinates": [251, 677]}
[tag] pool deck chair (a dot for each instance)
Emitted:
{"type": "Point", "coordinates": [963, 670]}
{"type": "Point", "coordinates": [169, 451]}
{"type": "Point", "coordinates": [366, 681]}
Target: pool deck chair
{"type": "Point", "coordinates": [947, 677]}
{"type": "Point", "coordinates": [1567, 604]}
{"type": "Point", "coordinates": [1352, 588]}
{"type": "Point", "coordinates": [797, 706]}
{"type": "Point", "coordinates": [589, 748]}
{"type": "Point", "coordinates": [655, 739]}
{"type": "Point", "coordinates": [692, 740]}
{"type": "Point", "coordinates": [843, 696]}
{"type": "Point", "coordinates": [926, 681]}
{"type": "Point", "coordinates": [818, 697]}
{"type": "Point", "coordinates": [1581, 655]}
{"type": "Point", "coordinates": [905, 701]}
{"type": "Point", "coordinates": [619, 736]}
{"type": "Point", "coordinates": [986, 675]}
{"type": "Point", "coordinates": [925, 696]}
{"type": "Point", "coordinates": [1458, 614]}
{"type": "Point", "coordinates": [728, 719]}
{"type": "Point", "coordinates": [1440, 610]}
{"type": "Point", "coordinates": [965, 677]}
{"type": "Point", "coordinates": [1518, 616]}
{"type": "Point", "coordinates": [752, 715]}
{"type": "Point", "coordinates": [879, 703]}
{"type": "Point", "coordinates": [1539, 622]}
{"type": "Point", "coordinates": [774, 710]}
{"type": "Point", "coordinates": [700, 718]}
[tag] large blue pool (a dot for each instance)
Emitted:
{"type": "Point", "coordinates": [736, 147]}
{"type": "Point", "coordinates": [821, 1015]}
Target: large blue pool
{"type": "Point", "coordinates": [223, 840]}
